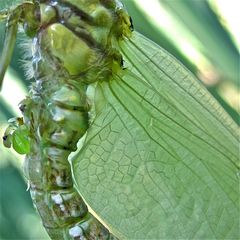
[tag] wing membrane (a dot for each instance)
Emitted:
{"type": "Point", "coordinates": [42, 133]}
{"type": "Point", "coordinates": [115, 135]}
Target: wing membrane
{"type": "Point", "coordinates": [160, 159]}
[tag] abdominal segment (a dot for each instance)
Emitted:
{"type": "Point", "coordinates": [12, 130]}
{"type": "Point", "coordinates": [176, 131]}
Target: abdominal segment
{"type": "Point", "coordinates": [55, 126]}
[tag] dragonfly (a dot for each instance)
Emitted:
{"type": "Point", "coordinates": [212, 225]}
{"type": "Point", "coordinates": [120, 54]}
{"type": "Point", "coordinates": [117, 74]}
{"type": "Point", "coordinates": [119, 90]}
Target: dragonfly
{"type": "Point", "coordinates": [114, 122]}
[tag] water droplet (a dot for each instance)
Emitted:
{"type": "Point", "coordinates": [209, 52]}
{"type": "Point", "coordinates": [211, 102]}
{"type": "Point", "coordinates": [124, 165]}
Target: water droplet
{"type": "Point", "coordinates": [75, 232]}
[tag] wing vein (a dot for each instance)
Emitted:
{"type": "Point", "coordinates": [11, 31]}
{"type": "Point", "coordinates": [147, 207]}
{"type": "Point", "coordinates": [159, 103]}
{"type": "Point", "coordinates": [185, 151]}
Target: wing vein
{"type": "Point", "coordinates": [203, 106]}
{"type": "Point", "coordinates": [181, 126]}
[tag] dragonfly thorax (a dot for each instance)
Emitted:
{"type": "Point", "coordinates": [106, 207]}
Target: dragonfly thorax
{"type": "Point", "coordinates": [79, 37]}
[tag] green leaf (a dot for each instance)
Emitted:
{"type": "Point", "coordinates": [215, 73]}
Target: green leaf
{"type": "Point", "coordinates": [217, 45]}
{"type": "Point", "coordinates": [160, 160]}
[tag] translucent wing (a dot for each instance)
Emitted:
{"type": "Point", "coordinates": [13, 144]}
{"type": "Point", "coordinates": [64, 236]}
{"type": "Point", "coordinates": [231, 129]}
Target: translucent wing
{"type": "Point", "coordinates": [160, 159]}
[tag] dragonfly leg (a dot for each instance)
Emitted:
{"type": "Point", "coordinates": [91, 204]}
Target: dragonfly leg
{"type": "Point", "coordinates": [3, 14]}
{"type": "Point", "coordinates": [22, 13]}
{"type": "Point", "coordinates": [9, 40]}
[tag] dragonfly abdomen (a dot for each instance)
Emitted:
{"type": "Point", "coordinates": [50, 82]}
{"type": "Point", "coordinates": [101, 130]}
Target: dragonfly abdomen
{"type": "Point", "coordinates": [58, 118]}
{"type": "Point", "coordinates": [56, 122]}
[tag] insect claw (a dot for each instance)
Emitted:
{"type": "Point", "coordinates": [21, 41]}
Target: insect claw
{"type": "Point", "coordinates": [3, 14]}
{"type": "Point", "coordinates": [28, 186]}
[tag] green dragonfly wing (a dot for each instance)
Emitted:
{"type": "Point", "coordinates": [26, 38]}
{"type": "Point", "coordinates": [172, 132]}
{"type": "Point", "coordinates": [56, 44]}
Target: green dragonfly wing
{"type": "Point", "coordinates": [178, 86]}
{"type": "Point", "coordinates": [160, 160]}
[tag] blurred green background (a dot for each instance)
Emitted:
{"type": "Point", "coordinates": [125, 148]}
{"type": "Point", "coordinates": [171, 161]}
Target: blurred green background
{"type": "Point", "coordinates": [203, 35]}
